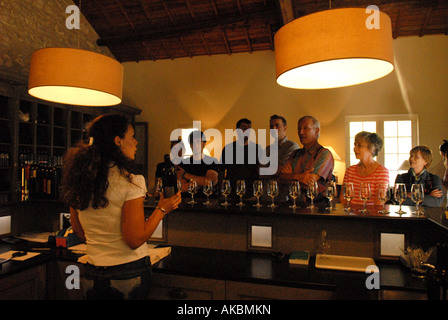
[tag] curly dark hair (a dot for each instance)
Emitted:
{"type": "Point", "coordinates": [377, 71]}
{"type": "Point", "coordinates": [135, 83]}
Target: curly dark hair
{"type": "Point", "coordinates": [86, 166]}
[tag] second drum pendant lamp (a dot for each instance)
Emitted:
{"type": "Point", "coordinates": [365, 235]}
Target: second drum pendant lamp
{"type": "Point", "coordinates": [74, 76]}
{"type": "Point", "coordinates": [333, 48]}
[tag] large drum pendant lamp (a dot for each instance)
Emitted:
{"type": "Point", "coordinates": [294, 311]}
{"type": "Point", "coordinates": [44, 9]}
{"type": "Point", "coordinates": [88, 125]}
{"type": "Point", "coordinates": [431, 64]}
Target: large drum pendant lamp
{"type": "Point", "coordinates": [333, 48]}
{"type": "Point", "coordinates": [76, 77]}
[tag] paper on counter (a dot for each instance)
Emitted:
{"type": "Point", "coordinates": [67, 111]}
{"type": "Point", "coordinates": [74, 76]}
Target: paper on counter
{"type": "Point", "coordinates": [155, 254]}
{"type": "Point", "coordinates": [8, 255]}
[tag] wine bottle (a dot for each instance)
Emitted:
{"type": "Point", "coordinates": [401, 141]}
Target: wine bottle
{"type": "Point", "coordinates": [169, 179]}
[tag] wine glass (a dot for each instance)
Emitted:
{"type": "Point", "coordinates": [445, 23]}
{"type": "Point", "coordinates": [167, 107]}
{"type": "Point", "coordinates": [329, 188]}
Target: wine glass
{"type": "Point", "coordinates": [348, 192]}
{"type": "Point", "coordinates": [364, 194]}
{"type": "Point", "coordinates": [400, 195]}
{"type": "Point", "coordinates": [158, 187]}
{"type": "Point", "coordinates": [192, 189]}
{"type": "Point", "coordinates": [272, 191]}
{"type": "Point", "coordinates": [383, 195]}
{"type": "Point", "coordinates": [179, 185]}
{"type": "Point", "coordinates": [417, 194]}
{"type": "Point", "coordinates": [258, 192]}
{"type": "Point", "coordinates": [331, 192]}
{"type": "Point", "coordinates": [226, 188]}
{"type": "Point", "coordinates": [311, 193]}
{"type": "Point", "coordinates": [208, 190]}
{"type": "Point", "coordinates": [241, 191]}
{"type": "Point", "coordinates": [294, 192]}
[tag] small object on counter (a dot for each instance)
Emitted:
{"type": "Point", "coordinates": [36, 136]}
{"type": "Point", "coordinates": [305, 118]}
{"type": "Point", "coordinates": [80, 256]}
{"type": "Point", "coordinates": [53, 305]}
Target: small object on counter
{"type": "Point", "coordinates": [299, 257]}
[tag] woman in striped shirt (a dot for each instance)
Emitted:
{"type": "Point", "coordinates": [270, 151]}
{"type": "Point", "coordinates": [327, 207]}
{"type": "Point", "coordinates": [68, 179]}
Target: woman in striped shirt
{"type": "Point", "coordinates": [367, 145]}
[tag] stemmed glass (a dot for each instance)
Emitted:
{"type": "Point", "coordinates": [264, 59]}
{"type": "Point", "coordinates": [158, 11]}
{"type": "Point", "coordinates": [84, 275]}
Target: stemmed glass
{"type": "Point", "coordinates": [240, 191]}
{"type": "Point", "coordinates": [192, 189]}
{"type": "Point", "coordinates": [364, 194]}
{"type": "Point", "coordinates": [311, 193]}
{"type": "Point", "coordinates": [383, 195]}
{"type": "Point", "coordinates": [272, 191]}
{"type": "Point", "coordinates": [418, 194]}
{"type": "Point", "coordinates": [158, 187]}
{"type": "Point", "coordinates": [400, 195]}
{"type": "Point", "coordinates": [348, 192]}
{"type": "Point", "coordinates": [331, 192]}
{"type": "Point", "coordinates": [226, 188]}
{"type": "Point", "coordinates": [258, 192]}
{"type": "Point", "coordinates": [294, 192]}
{"type": "Point", "coordinates": [208, 190]}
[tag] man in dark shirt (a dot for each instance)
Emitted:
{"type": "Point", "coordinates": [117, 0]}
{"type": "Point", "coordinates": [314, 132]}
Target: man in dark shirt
{"type": "Point", "coordinates": [199, 166]}
{"type": "Point", "coordinates": [240, 159]}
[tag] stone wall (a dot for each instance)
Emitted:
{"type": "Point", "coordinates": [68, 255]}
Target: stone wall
{"type": "Point", "coordinates": [28, 25]}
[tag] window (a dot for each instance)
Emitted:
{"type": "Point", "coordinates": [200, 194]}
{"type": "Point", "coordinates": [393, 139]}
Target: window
{"type": "Point", "coordinates": [399, 133]}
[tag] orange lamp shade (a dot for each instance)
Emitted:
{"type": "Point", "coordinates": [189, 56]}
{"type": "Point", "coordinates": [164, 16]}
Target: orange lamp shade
{"type": "Point", "coordinates": [74, 76]}
{"type": "Point", "coordinates": [333, 48]}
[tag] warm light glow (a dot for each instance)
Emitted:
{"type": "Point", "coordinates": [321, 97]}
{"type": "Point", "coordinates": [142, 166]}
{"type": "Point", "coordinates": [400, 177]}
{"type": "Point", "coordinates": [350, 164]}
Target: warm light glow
{"type": "Point", "coordinates": [76, 77]}
{"type": "Point", "coordinates": [333, 48]}
{"type": "Point", "coordinates": [333, 152]}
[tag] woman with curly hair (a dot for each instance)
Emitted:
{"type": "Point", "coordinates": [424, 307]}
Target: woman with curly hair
{"type": "Point", "coordinates": [106, 200]}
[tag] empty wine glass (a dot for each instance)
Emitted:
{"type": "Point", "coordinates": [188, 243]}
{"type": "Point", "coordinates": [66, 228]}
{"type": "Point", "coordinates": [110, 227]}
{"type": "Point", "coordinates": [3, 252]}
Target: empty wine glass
{"type": "Point", "coordinates": [331, 192]}
{"type": "Point", "coordinates": [272, 191]}
{"type": "Point", "coordinates": [294, 192]}
{"type": "Point", "coordinates": [192, 189]}
{"type": "Point", "coordinates": [348, 193]}
{"type": "Point", "coordinates": [383, 195]}
{"type": "Point", "coordinates": [258, 192]}
{"type": "Point", "coordinates": [179, 185]}
{"type": "Point", "coordinates": [400, 195]}
{"type": "Point", "coordinates": [240, 191]}
{"type": "Point", "coordinates": [226, 188]}
{"type": "Point", "coordinates": [208, 190]}
{"type": "Point", "coordinates": [364, 194]}
{"type": "Point", "coordinates": [417, 196]}
{"type": "Point", "coordinates": [311, 193]}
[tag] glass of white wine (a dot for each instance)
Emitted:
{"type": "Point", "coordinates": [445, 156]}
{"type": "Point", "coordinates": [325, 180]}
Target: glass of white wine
{"type": "Point", "coordinates": [383, 195]}
{"type": "Point", "coordinates": [348, 193]}
{"type": "Point", "coordinates": [272, 191]}
{"type": "Point", "coordinates": [258, 192]}
{"type": "Point", "coordinates": [418, 194]}
{"type": "Point", "coordinates": [400, 195]}
{"type": "Point", "coordinates": [192, 189]}
{"type": "Point", "coordinates": [158, 189]}
{"type": "Point", "coordinates": [240, 191]}
{"type": "Point", "coordinates": [311, 193]}
{"type": "Point", "coordinates": [294, 192]}
{"type": "Point", "coordinates": [208, 190]}
{"type": "Point", "coordinates": [364, 194]}
{"type": "Point", "coordinates": [331, 192]}
{"type": "Point", "coordinates": [226, 188]}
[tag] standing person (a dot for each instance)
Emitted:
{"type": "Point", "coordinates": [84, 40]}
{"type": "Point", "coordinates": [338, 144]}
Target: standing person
{"type": "Point", "coordinates": [312, 163]}
{"type": "Point", "coordinates": [199, 166]}
{"type": "Point", "coordinates": [285, 146]}
{"type": "Point", "coordinates": [420, 159]}
{"type": "Point", "coordinates": [444, 153]}
{"type": "Point", "coordinates": [367, 145]}
{"type": "Point", "coordinates": [106, 203]}
{"type": "Point", "coordinates": [240, 159]}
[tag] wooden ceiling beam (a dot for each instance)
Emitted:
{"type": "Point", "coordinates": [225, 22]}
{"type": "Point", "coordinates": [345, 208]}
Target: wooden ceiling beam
{"type": "Point", "coordinates": [174, 31]}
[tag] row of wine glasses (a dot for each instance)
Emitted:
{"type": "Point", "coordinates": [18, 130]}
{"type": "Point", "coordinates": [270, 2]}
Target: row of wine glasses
{"type": "Point", "coordinates": [384, 194]}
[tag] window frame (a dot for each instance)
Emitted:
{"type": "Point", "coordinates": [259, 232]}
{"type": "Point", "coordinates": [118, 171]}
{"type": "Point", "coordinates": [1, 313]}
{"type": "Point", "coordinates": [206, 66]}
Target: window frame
{"type": "Point", "coordinates": [380, 119]}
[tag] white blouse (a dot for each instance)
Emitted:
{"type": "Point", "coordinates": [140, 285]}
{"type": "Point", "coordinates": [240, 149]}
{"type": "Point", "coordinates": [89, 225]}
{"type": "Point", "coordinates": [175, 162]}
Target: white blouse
{"type": "Point", "coordinates": [102, 227]}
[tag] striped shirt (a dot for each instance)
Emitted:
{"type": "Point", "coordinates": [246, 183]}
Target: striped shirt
{"type": "Point", "coordinates": [380, 175]}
